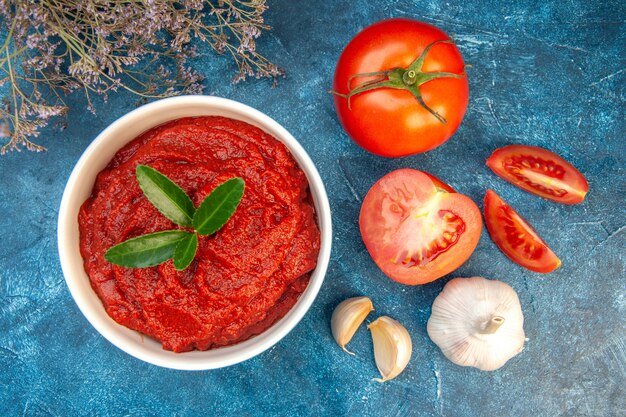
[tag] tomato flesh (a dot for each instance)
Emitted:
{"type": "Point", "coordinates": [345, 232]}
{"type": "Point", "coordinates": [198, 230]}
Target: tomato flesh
{"type": "Point", "coordinates": [539, 172]}
{"type": "Point", "coordinates": [516, 238]}
{"type": "Point", "coordinates": [414, 230]}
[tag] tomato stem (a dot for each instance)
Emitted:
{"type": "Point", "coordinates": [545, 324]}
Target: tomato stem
{"type": "Point", "coordinates": [409, 79]}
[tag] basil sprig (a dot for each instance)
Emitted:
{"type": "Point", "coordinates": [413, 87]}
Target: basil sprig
{"type": "Point", "coordinates": [181, 245]}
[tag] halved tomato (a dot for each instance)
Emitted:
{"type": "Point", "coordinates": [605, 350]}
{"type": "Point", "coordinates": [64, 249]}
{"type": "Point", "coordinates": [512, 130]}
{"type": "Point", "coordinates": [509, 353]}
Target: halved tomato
{"type": "Point", "coordinates": [539, 172]}
{"type": "Point", "coordinates": [415, 230]}
{"type": "Point", "coordinates": [516, 238]}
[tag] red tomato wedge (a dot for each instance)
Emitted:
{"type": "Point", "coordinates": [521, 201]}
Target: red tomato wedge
{"type": "Point", "coordinates": [539, 172]}
{"type": "Point", "coordinates": [416, 231]}
{"type": "Point", "coordinates": [516, 238]}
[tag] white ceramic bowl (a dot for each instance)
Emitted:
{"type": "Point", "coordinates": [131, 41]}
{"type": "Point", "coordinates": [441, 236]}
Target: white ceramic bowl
{"type": "Point", "coordinates": [79, 187]}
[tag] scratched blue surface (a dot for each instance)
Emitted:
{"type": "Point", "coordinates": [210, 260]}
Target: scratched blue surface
{"type": "Point", "coordinates": [550, 74]}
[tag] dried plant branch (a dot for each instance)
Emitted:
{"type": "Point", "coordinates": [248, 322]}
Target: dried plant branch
{"type": "Point", "coordinates": [56, 47]}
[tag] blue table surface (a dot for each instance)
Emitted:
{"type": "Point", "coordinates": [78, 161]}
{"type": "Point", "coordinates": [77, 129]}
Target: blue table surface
{"type": "Point", "coordinates": [550, 74]}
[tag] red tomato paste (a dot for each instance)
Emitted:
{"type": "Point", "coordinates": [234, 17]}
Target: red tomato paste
{"type": "Point", "coordinates": [245, 277]}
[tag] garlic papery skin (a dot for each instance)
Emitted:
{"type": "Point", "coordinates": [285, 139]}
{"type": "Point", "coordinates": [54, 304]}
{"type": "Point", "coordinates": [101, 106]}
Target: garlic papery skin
{"type": "Point", "coordinates": [477, 322]}
{"type": "Point", "coordinates": [347, 318]}
{"type": "Point", "coordinates": [392, 347]}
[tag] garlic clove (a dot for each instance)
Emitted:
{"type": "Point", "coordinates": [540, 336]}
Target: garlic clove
{"type": "Point", "coordinates": [347, 318]}
{"type": "Point", "coordinates": [477, 322]}
{"type": "Point", "coordinates": [392, 347]}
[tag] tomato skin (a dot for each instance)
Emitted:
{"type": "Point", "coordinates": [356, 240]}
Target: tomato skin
{"type": "Point", "coordinates": [517, 239]}
{"type": "Point", "coordinates": [441, 186]}
{"type": "Point", "coordinates": [391, 122]}
{"type": "Point", "coordinates": [539, 172]}
{"type": "Point", "coordinates": [404, 220]}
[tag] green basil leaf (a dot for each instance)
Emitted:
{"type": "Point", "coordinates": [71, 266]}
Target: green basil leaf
{"type": "Point", "coordinates": [185, 251]}
{"type": "Point", "coordinates": [165, 195]}
{"type": "Point", "coordinates": [147, 250]}
{"type": "Point", "coordinates": [218, 206]}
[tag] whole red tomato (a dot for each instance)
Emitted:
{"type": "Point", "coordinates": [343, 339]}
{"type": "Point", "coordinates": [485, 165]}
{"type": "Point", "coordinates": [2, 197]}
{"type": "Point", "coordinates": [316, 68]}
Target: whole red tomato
{"type": "Point", "coordinates": [400, 87]}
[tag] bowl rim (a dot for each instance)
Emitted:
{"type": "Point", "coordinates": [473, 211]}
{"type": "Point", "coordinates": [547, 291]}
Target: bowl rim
{"type": "Point", "coordinates": [194, 360]}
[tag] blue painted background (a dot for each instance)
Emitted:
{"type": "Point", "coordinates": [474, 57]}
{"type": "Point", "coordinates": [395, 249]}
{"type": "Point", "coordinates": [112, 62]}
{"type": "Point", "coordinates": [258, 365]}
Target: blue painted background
{"type": "Point", "coordinates": [550, 74]}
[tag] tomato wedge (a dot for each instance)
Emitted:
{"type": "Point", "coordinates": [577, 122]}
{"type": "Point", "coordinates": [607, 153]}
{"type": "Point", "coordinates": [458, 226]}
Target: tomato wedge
{"type": "Point", "coordinates": [539, 172]}
{"type": "Point", "coordinates": [415, 230]}
{"type": "Point", "coordinates": [516, 238]}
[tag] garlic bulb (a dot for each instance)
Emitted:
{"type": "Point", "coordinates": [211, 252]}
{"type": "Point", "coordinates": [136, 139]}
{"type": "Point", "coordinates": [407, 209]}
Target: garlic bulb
{"type": "Point", "coordinates": [392, 347]}
{"type": "Point", "coordinates": [477, 322]}
{"type": "Point", "coordinates": [347, 318]}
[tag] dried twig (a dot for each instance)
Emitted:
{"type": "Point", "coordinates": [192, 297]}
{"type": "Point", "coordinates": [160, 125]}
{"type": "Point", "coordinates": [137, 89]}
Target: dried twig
{"type": "Point", "coordinates": [55, 47]}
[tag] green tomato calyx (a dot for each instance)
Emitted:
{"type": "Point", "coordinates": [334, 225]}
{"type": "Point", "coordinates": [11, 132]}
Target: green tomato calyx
{"type": "Point", "coordinates": [409, 79]}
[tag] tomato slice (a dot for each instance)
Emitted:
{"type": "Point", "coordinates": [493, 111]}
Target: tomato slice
{"type": "Point", "coordinates": [414, 230]}
{"type": "Point", "coordinates": [539, 172]}
{"type": "Point", "coordinates": [516, 238]}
